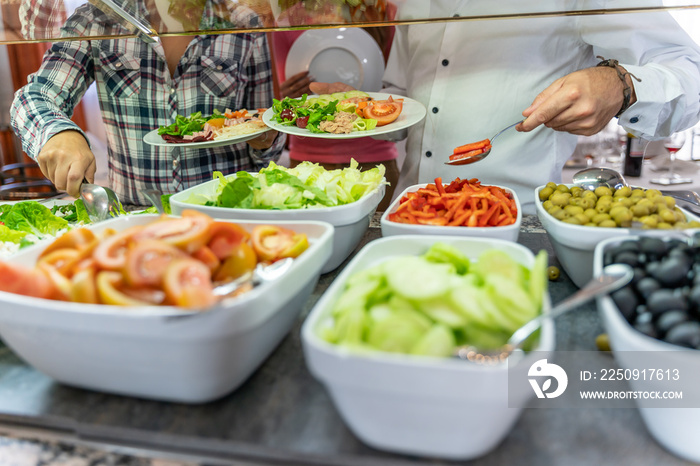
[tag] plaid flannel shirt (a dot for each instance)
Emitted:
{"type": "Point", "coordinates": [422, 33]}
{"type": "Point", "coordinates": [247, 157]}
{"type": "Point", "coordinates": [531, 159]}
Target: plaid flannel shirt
{"type": "Point", "coordinates": [137, 94]}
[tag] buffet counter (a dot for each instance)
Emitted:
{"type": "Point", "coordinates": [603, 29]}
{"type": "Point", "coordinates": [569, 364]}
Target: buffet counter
{"type": "Point", "coordinates": [282, 415]}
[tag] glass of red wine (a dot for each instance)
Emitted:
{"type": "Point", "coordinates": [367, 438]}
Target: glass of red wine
{"type": "Point", "coordinates": [672, 144]}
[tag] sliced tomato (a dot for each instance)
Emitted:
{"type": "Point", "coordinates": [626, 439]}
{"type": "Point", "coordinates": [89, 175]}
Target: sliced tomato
{"type": "Point", "coordinates": [60, 283]}
{"type": "Point", "coordinates": [272, 243]}
{"type": "Point", "coordinates": [189, 232]}
{"type": "Point", "coordinates": [110, 254]}
{"type": "Point", "coordinates": [187, 283]}
{"type": "Point", "coordinates": [83, 288]}
{"type": "Point", "coordinates": [76, 238]}
{"type": "Point", "coordinates": [384, 111]}
{"type": "Point", "coordinates": [147, 260]}
{"type": "Point", "coordinates": [207, 257]}
{"type": "Point", "coordinates": [26, 281]}
{"type": "Point", "coordinates": [243, 259]}
{"type": "Point", "coordinates": [62, 260]}
{"type": "Point", "coordinates": [225, 238]}
{"type": "Point", "coordinates": [109, 290]}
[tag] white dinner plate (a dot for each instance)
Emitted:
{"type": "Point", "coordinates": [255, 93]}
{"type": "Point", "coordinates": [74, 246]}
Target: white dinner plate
{"type": "Point", "coordinates": [348, 55]}
{"type": "Point", "coordinates": [413, 112]}
{"type": "Point", "coordinates": [155, 139]}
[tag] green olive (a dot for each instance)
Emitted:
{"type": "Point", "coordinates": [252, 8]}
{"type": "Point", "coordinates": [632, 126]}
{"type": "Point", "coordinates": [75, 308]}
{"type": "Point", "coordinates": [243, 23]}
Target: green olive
{"type": "Point", "coordinates": [625, 191]}
{"type": "Point", "coordinates": [553, 209]}
{"type": "Point", "coordinates": [573, 209]}
{"type": "Point", "coordinates": [623, 218]}
{"type": "Point", "coordinates": [668, 216]}
{"type": "Point", "coordinates": [649, 222]}
{"type": "Point", "coordinates": [590, 195]}
{"type": "Point", "coordinates": [648, 204]}
{"type": "Point", "coordinates": [625, 201]}
{"type": "Point", "coordinates": [552, 185]}
{"type": "Point", "coordinates": [603, 191]}
{"type": "Point", "coordinates": [582, 218]}
{"type": "Point", "coordinates": [602, 342]}
{"type": "Point", "coordinates": [576, 191]}
{"type": "Point", "coordinates": [560, 199]}
{"type": "Point", "coordinates": [637, 193]}
{"type": "Point", "coordinates": [670, 202]}
{"type": "Point", "coordinates": [600, 217]}
{"type": "Point", "coordinates": [553, 272]}
{"type": "Point", "coordinates": [563, 188]}
{"type": "Point", "coordinates": [664, 226]}
{"type": "Point", "coordinates": [603, 206]}
{"type": "Point", "coordinates": [608, 224]}
{"type": "Point", "coordinates": [590, 213]}
{"type": "Point", "coordinates": [652, 193]}
{"type": "Point", "coordinates": [545, 193]}
{"type": "Point", "coordinates": [562, 214]}
{"type": "Point", "coordinates": [547, 205]}
{"type": "Point", "coordinates": [640, 210]}
{"type": "Point", "coordinates": [606, 198]}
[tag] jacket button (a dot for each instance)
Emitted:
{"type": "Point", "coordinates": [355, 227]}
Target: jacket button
{"type": "Point", "coordinates": [445, 62]}
{"type": "Point", "coordinates": [428, 154]}
{"type": "Point", "coordinates": [435, 110]}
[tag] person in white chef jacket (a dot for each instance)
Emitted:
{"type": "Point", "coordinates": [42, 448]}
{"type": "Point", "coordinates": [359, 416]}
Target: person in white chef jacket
{"type": "Point", "coordinates": [478, 77]}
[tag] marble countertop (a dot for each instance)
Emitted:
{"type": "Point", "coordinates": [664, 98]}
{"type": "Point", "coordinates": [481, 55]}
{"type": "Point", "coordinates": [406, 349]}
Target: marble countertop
{"type": "Point", "coordinates": [46, 423]}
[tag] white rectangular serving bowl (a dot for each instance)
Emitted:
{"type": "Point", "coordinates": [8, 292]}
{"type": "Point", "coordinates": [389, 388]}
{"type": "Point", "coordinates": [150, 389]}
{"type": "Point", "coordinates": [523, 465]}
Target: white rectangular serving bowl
{"type": "Point", "coordinates": [350, 220]}
{"type": "Point", "coordinates": [141, 352]}
{"type": "Point", "coordinates": [437, 407]}
{"type": "Point", "coordinates": [675, 429]}
{"type": "Point", "coordinates": [574, 244]}
{"type": "Point", "coordinates": [390, 228]}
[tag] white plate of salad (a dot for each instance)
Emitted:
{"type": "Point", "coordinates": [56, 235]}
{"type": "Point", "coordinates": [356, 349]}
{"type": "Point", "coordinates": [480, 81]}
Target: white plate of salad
{"type": "Point", "coordinates": [233, 127]}
{"type": "Point", "coordinates": [372, 113]}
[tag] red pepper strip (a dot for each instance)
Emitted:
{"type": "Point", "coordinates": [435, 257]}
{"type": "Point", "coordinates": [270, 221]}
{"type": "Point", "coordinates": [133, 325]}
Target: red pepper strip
{"type": "Point", "coordinates": [471, 147]}
{"type": "Point", "coordinates": [438, 185]}
{"type": "Point", "coordinates": [456, 206]}
{"type": "Point", "coordinates": [466, 155]}
{"type": "Point", "coordinates": [484, 220]}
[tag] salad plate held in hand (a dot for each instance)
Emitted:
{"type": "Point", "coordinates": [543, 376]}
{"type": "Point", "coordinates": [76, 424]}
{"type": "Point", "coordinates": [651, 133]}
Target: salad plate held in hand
{"type": "Point", "coordinates": [412, 112]}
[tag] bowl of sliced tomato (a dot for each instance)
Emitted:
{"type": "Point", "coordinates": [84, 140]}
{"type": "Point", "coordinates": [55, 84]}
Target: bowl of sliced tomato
{"type": "Point", "coordinates": [130, 305]}
{"type": "Point", "coordinates": [458, 208]}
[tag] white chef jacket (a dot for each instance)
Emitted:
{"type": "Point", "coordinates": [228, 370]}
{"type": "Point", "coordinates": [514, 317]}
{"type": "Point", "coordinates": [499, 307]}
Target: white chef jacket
{"type": "Point", "coordinates": [477, 77]}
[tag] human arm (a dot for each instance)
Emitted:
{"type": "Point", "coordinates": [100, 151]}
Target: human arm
{"type": "Point", "coordinates": [655, 49]}
{"type": "Point", "coordinates": [296, 85]}
{"type": "Point", "coordinates": [42, 109]}
{"type": "Point", "coordinates": [259, 94]}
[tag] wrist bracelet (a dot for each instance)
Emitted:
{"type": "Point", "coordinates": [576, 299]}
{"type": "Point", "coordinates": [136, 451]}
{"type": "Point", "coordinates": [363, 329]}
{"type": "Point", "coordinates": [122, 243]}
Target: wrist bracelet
{"type": "Point", "coordinates": [627, 91]}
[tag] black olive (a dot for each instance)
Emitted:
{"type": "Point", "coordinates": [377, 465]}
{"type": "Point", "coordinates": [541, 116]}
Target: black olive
{"type": "Point", "coordinates": [627, 257]}
{"type": "Point", "coordinates": [639, 273]}
{"type": "Point", "coordinates": [684, 334]}
{"type": "Point", "coordinates": [626, 301]}
{"type": "Point", "coordinates": [672, 271]}
{"type": "Point", "coordinates": [665, 300]}
{"type": "Point", "coordinates": [651, 267]}
{"type": "Point", "coordinates": [670, 319]}
{"type": "Point", "coordinates": [628, 245]}
{"type": "Point", "coordinates": [646, 286]}
{"type": "Point", "coordinates": [694, 298]}
{"type": "Point", "coordinates": [654, 247]}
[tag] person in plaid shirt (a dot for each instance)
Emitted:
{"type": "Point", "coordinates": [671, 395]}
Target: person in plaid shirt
{"type": "Point", "coordinates": [142, 86]}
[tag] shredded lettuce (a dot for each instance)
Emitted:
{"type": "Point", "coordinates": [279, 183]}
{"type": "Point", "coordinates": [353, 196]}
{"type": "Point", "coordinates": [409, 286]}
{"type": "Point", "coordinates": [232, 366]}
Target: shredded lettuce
{"type": "Point", "coordinates": [307, 185]}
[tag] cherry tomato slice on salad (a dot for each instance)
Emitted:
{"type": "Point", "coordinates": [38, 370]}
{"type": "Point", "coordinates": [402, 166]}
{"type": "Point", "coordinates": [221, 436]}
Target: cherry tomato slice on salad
{"type": "Point", "coordinates": [384, 111]}
{"type": "Point", "coordinates": [225, 238]}
{"type": "Point", "coordinates": [243, 259]}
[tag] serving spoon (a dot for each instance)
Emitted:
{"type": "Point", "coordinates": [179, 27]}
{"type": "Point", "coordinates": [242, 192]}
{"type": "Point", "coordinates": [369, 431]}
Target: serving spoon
{"type": "Point", "coordinates": [100, 202]}
{"type": "Point", "coordinates": [613, 277]}
{"type": "Point", "coordinates": [591, 178]}
{"type": "Point", "coordinates": [482, 156]}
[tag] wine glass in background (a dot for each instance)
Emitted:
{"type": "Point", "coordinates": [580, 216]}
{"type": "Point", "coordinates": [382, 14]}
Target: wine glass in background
{"type": "Point", "coordinates": [672, 144]}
